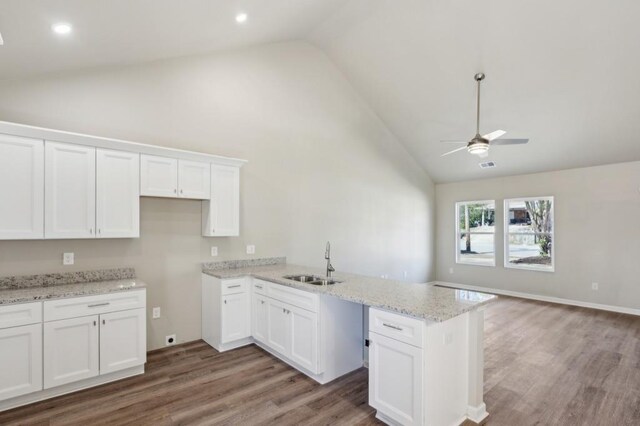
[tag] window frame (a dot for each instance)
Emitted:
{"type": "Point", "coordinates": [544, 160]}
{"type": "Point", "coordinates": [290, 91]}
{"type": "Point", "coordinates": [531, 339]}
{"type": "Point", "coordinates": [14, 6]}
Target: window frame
{"type": "Point", "coordinates": [536, 268]}
{"type": "Point", "coordinates": [458, 259]}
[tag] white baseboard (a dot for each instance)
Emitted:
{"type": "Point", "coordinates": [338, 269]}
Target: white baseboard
{"type": "Point", "coordinates": [551, 299]}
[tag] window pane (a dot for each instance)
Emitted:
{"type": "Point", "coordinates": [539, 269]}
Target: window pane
{"type": "Point", "coordinates": [477, 217]}
{"type": "Point", "coordinates": [530, 249]}
{"type": "Point", "coordinates": [476, 248]}
{"type": "Point", "coordinates": [534, 216]}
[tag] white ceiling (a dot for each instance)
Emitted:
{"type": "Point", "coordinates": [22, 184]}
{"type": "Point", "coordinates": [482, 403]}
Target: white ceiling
{"type": "Point", "coordinates": [113, 32]}
{"type": "Point", "coordinates": [565, 74]}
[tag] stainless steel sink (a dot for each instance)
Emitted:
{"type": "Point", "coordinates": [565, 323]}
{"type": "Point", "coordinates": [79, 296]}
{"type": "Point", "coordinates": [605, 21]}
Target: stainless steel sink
{"type": "Point", "coordinates": [311, 279]}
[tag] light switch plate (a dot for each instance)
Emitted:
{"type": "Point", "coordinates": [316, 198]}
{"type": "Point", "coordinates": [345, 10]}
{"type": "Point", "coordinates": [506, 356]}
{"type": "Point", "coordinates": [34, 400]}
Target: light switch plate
{"type": "Point", "coordinates": [214, 251]}
{"type": "Point", "coordinates": [68, 259]}
{"type": "Point", "coordinates": [251, 249]}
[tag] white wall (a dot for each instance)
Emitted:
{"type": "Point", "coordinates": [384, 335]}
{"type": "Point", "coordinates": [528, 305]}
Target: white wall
{"type": "Point", "coordinates": [597, 236]}
{"type": "Point", "coordinates": [322, 166]}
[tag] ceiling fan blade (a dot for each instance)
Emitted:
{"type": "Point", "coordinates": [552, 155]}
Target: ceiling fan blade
{"type": "Point", "coordinates": [455, 150]}
{"type": "Point", "coordinates": [452, 141]}
{"type": "Point", "coordinates": [509, 141]}
{"type": "Point", "coordinates": [494, 135]}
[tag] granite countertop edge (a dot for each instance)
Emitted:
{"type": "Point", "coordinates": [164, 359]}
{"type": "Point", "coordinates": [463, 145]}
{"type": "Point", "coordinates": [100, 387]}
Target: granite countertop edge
{"type": "Point", "coordinates": [16, 296]}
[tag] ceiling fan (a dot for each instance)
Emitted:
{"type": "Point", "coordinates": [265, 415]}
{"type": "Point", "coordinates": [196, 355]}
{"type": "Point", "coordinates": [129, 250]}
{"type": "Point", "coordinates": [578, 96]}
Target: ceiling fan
{"type": "Point", "coordinates": [479, 145]}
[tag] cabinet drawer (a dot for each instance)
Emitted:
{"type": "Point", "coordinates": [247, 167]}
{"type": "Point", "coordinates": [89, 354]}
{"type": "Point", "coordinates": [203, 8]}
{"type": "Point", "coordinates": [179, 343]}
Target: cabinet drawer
{"type": "Point", "coordinates": [396, 326]}
{"type": "Point", "coordinates": [260, 286]}
{"type": "Point", "coordinates": [234, 286]}
{"type": "Point", "coordinates": [22, 314]}
{"type": "Point", "coordinates": [295, 297]}
{"type": "Point", "coordinates": [92, 305]}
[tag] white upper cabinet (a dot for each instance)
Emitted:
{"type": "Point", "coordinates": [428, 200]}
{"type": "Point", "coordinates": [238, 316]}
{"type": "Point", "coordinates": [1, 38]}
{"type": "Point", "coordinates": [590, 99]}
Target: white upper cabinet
{"type": "Point", "coordinates": [70, 191]}
{"type": "Point", "coordinates": [117, 194]}
{"type": "Point", "coordinates": [158, 176]}
{"type": "Point", "coordinates": [221, 215]}
{"type": "Point", "coordinates": [194, 180]}
{"type": "Point", "coordinates": [21, 188]}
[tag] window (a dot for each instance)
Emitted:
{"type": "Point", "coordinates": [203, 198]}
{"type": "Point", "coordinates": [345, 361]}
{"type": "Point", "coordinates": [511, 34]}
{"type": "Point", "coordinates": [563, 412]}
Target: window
{"type": "Point", "coordinates": [528, 240]}
{"type": "Point", "coordinates": [475, 233]}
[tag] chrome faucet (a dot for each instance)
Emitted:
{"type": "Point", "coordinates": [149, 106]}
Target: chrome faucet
{"type": "Point", "coordinates": [327, 255]}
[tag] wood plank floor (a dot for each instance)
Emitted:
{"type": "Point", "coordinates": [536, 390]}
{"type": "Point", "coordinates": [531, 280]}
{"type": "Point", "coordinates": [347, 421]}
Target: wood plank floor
{"type": "Point", "coordinates": [546, 364]}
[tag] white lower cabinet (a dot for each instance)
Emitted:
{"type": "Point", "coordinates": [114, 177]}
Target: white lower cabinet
{"type": "Point", "coordinates": [260, 310]}
{"type": "Point", "coordinates": [235, 317]}
{"type": "Point", "coordinates": [304, 338]}
{"type": "Point", "coordinates": [278, 327]}
{"type": "Point", "coordinates": [395, 379]}
{"type": "Point", "coordinates": [20, 360]}
{"type": "Point", "coordinates": [123, 340]}
{"type": "Point", "coordinates": [71, 350]}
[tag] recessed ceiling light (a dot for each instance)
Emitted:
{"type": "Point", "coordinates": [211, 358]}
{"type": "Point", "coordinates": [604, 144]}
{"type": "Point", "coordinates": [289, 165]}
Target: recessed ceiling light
{"type": "Point", "coordinates": [241, 17]}
{"type": "Point", "coordinates": [61, 28]}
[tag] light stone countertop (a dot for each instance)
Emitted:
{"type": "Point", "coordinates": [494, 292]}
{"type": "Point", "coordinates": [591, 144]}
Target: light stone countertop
{"type": "Point", "coordinates": [60, 291]}
{"type": "Point", "coordinates": [417, 300]}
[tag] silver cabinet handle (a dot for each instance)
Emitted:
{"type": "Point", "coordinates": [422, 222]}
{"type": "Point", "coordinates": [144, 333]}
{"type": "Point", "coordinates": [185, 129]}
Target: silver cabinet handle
{"type": "Point", "coordinates": [104, 322]}
{"type": "Point", "coordinates": [94, 324]}
{"type": "Point", "coordinates": [91, 231]}
{"type": "Point", "coordinates": [99, 231]}
{"type": "Point", "coordinates": [175, 191]}
{"type": "Point", "coordinates": [225, 301]}
{"type": "Point", "coordinates": [181, 191]}
{"type": "Point", "coordinates": [233, 286]}
{"type": "Point", "coordinates": [262, 301]}
{"type": "Point", "coordinates": [259, 286]}
{"type": "Point", "coordinates": [99, 304]}
{"type": "Point", "coordinates": [395, 327]}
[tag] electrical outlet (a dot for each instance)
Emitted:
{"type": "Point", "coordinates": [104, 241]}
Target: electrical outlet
{"type": "Point", "coordinates": [214, 251]}
{"type": "Point", "coordinates": [170, 340]}
{"type": "Point", "coordinates": [451, 270]}
{"type": "Point", "coordinates": [251, 249]}
{"type": "Point", "coordinates": [68, 259]}
{"type": "Point", "coordinates": [594, 286]}
{"type": "Point", "coordinates": [156, 312]}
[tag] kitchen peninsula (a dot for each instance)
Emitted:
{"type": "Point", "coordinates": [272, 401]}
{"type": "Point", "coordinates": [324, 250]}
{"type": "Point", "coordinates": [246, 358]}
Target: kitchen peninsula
{"type": "Point", "coordinates": [425, 342]}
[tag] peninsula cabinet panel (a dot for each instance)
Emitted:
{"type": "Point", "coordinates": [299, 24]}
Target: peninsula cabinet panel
{"type": "Point", "coordinates": [70, 191]}
{"type": "Point", "coordinates": [71, 350]}
{"type": "Point", "coordinates": [158, 176]}
{"type": "Point", "coordinates": [20, 360]}
{"type": "Point", "coordinates": [21, 188]}
{"type": "Point", "coordinates": [117, 194]}
{"type": "Point", "coordinates": [194, 180]}
{"type": "Point", "coordinates": [221, 215]}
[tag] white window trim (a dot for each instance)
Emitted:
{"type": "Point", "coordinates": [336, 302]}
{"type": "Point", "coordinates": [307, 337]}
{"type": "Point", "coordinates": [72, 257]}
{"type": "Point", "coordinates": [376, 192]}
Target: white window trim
{"type": "Point", "coordinates": [536, 268]}
{"type": "Point", "coordinates": [457, 243]}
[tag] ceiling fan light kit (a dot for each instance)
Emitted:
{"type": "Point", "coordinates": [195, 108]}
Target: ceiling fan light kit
{"type": "Point", "coordinates": [479, 145]}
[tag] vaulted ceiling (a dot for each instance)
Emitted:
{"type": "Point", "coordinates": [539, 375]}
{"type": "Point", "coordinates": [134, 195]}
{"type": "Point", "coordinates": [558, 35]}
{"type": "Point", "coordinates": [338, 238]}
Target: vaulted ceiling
{"type": "Point", "coordinates": [563, 74]}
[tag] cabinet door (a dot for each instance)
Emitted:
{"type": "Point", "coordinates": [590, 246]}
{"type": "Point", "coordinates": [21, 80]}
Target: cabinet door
{"type": "Point", "coordinates": [20, 360]}
{"type": "Point", "coordinates": [117, 194]}
{"type": "Point", "coordinates": [123, 340]}
{"type": "Point", "coordinates": [395, 379]}
{"type": "Point", "coordinates": [70, 350]}
{"type": "Point", "coordinates": [260, 318]}
{"type": "Point", "coordinates": [70, 191]}
{"type": "Point", "coordinates": [304, 338]}
{"type": "Point", "coordinates": [236, 317]}
{"type": "Point", "coordinates": [278, 327]}
{"type": "Point", "coordinates": [21, 188]}
{"type": "Point", "coordinates": [194, 180]}
{"type": "Point", "coordinates": [221, 215]}
{"type": "Point", "coordinates": [158, 176]}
